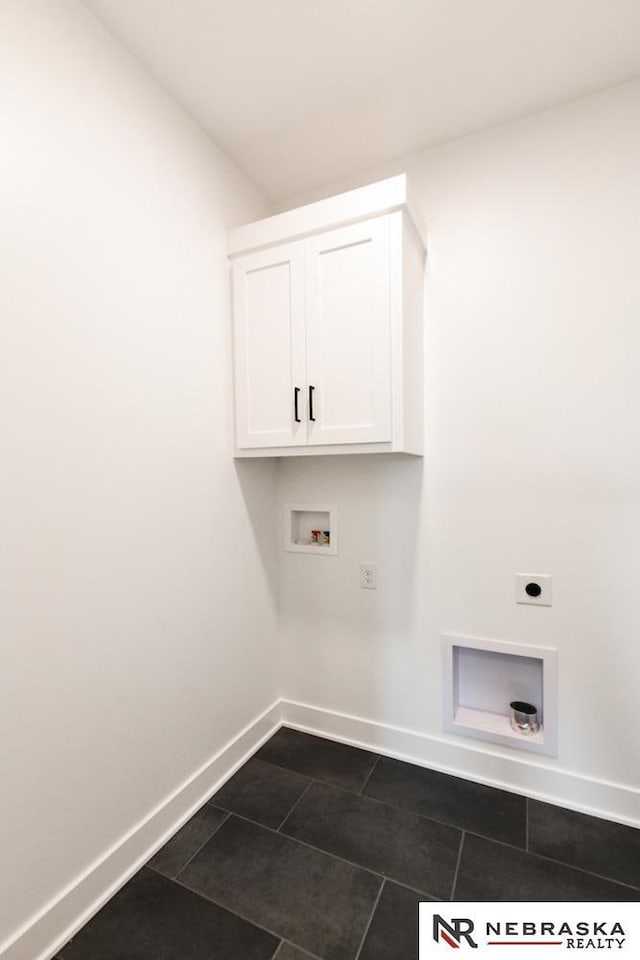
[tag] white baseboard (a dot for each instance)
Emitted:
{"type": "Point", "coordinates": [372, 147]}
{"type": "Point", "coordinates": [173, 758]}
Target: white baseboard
{"type": "Point", "coordinates": [43, 935]}
{"type": "Point", "coordinates": [525, 775]}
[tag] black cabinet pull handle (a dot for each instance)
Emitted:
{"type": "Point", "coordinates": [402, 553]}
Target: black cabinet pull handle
{"type": "Point", "coordinates": [296, 417]}
{"type": "Point", "coordinates": [311, 416]}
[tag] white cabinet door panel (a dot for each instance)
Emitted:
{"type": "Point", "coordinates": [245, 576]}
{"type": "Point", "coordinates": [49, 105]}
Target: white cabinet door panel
{"type": "Point", "coordinates": [348, 307]}
{"type": "Point", "coordinates": [268, 293]}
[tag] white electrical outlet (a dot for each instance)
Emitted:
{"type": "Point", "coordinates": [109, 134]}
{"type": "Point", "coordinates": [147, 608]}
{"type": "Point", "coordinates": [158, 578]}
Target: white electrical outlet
{"type": "Point", "coordinates": [368, 576]}
{"type": "Point", "coordinates": [533, 588]}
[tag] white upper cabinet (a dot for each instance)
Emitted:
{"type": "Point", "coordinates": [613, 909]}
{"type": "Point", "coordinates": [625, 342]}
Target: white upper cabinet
{"type": "Point", "coordinates": [327, 322]}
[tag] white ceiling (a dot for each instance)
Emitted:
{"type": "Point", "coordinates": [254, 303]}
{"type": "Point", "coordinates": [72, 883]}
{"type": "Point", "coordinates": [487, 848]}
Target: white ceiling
{"type": "Point", "coordinates": [303, 92]}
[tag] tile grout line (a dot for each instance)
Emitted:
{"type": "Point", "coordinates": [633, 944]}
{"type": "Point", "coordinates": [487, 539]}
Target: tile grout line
{"type": "Point", "coordinates": [315, 777]}
{"type": "Point", "coordinates": [558, 863]}
{"type": "Point", "coordinates": [386, 803]}
{"type": "Point", "coordinates": [334, 856]}
{"type": "Point", "coordinates": [202, 845]}
{"type": "Point", "coordinates": [224, 906]}
{"type": "Point", "coordinates": [457, 871]}
{"type": "Point", "coordinates": [290, 943]}
{"type": "Point", "coordinates": [310, 846]}
{"type": "Point", "coordinates": [268, 763]}
{"type": "Point", "coordinates": [351, 863]}
{"type": "Point", "coordinates": [287, 815]}
{"type": "Point", "coordinates": [462, 830]}
{"type": "Point", "coordinates": [369, 775]}
{"type": "Point", "coordinates": [389, 803]}
{"type": "Point", "coordinates": [247, 919]}
{"type": "Point", "coordinates": [370, 921]}
{"type": "Point", "coordinates": [277, 950]}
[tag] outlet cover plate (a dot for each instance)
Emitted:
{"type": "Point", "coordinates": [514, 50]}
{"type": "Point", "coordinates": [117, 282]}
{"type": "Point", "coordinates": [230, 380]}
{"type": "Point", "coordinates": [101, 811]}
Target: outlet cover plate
{"type": "Point", "coordinates": [368, 576]}
{"type": "Point", "coordinates": [533, 588]}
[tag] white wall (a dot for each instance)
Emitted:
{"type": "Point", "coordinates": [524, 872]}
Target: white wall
{"type": "Point", "coordinates": [532, 454]}
{"type": "Point", "coordinates": [131, 647]}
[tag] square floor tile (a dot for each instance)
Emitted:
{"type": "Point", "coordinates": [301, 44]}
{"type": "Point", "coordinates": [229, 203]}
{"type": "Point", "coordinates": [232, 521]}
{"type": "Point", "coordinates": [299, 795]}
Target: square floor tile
{"type": "Point", "coordinates": [153, 917]}
{"type": "Point", "coordinates": [493, 871]}
{"type": "Point", "coordinates": [411, 849]}
{"type": "Point", "coordinates": [262, 792]}
{"type": "Point", "coordinates": [177, 852]}
{"type": "Point", "coordinates": [471, 806]}
{"type": "Point", "coordinates": [336, 763]}
{"type": "Point", "coordinates": [610, 849]}
{"type": "Point", "coordinates": [315, 901]}
{"type": "Point", "coordinates": [394, 929]}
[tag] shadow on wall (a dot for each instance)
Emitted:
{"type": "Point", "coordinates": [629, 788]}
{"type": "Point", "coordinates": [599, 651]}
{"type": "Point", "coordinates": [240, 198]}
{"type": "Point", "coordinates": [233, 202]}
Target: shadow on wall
{"type": "Point", "coordinates": [257, 480]}
{"type": "Point", "coordinates": [396, 523]}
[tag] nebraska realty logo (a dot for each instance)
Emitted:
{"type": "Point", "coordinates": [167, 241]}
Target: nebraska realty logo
{"type": "Point", "coordinates": [538, 926]}
{"type": "Point", "coordinates": [453, 932]}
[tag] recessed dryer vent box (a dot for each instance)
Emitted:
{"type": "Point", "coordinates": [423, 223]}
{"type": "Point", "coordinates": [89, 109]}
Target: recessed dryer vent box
{"type": "Point", "coordinates": [311, 528]}
{"type": "Point", "coordinates": [482, 677]}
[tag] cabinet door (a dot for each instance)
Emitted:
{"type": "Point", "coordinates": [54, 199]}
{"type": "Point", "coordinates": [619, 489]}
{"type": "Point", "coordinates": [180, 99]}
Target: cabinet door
{"type": "Point", "coordinates": [348, 313]}
{"type": "Point", "coordinates": [268, 312]}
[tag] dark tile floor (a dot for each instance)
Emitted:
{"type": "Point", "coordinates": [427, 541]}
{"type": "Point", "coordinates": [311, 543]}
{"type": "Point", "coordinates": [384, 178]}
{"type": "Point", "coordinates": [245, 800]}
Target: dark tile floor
{"type": "Point", "coordinates": [318, 851]}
